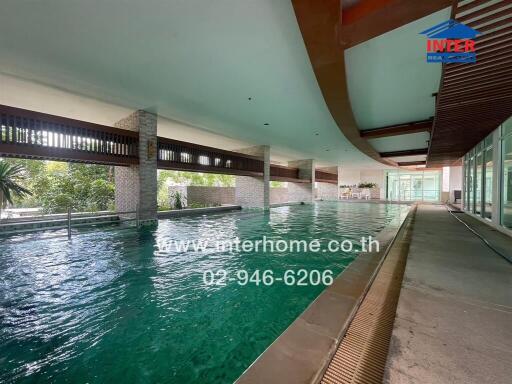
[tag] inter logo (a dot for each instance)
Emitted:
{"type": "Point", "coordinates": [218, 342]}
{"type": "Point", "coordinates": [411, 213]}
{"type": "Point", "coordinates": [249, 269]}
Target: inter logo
{"type": "Point", "coordinates": [451, 42]}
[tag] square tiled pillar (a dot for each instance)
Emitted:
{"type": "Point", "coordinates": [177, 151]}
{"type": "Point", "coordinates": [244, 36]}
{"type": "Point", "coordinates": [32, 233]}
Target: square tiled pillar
{"type": "Point", "coordinates": [329, 191]}
{"type": "Point", "coordinates": [254, 192]}
{"type": "Point", "coordinates": [303, 191]}
{"type": "Point", "coordinates": [137, 185]}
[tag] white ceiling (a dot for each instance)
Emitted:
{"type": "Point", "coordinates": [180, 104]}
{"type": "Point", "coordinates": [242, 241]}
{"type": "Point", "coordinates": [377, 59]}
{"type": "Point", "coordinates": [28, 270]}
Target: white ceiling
{"type": "Point", "coordinates": [194, 61]}
{"type": "Point", "coordinates": [401, 143]}
{"type": "Point", "coordinates": [390, 82]}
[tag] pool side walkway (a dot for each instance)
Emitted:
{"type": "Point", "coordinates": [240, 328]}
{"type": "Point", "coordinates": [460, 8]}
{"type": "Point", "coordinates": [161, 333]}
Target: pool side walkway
{"type": "Point", "coordinates": [454, 315]}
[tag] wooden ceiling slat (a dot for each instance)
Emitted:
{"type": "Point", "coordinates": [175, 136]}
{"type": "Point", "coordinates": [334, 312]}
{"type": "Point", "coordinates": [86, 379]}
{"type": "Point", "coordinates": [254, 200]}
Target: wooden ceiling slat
{"type": "Point", "coordinates": [497, 24]}
{"type": "Point", "coordinates": [467, 7]}
{"type": "Point", "coordinates": [488, 36]}
{"type": "Point", "coordinates": [475, 24]}
{"type": "Point", "coordinates": [495, 40]}
{"type": "Point", "coordinates": [478, 70]}
{"type": "Point", "coordinates": [503, 56]}
{"type": "Point", "coordinates": [475, 86]}
{"type": "Point", "coordinates": [489, 74]}
{"type": "Point", "coordinates": [483, 11]}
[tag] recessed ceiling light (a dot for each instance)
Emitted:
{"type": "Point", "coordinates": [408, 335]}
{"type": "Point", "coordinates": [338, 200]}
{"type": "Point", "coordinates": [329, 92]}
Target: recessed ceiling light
{"type": "Point", "coordinates": [266, 124]}
{"type": "Point", "coordinates": [249, 98]}
{"type": "Point", "coordinates": [326, 150]}
{"type": "Point", "coordinates": [316, 134]}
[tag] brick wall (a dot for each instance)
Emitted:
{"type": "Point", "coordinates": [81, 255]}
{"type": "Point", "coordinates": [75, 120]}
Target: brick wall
{"type": "Point", "coordinates": [137, 185]}
{"type": "Point", "coordinates": [278, 195]}
{"type": "Point", "coordinates": [327, 191]}
{"type": "Point", "coordinates": [211, 195]}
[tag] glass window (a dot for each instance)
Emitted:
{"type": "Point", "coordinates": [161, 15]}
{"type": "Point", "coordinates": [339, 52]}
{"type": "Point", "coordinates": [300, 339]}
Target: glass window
{"type": "Point", "coordinates": [478, 183]}
{"type": "Point", "coordinates": [488, 141]}
{"type": "Point", "coordinates": [431, 186]}
{"type": "Point", "coordinates": [415, 186]}
{"type": "Point", "coordinates": [506, 198]}
{"type": "Point", "coordinates": [488, 183]}
{"type": "Point", "coordinates": [507, 127]}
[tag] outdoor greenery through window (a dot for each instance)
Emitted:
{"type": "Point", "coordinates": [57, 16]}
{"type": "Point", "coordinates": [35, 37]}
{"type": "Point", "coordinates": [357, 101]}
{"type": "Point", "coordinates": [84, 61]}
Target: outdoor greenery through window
{"type": "Point", "coordinates": [55, 186]}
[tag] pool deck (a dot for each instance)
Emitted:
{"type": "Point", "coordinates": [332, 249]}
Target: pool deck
{"type": "Point", "coordinates": [454, 315]}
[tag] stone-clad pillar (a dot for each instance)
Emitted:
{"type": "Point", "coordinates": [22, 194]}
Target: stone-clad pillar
{"type": "Point", "coordinates": [305, 191]}
{"type": "Point", "coordinates": [137, 185]}
{"type": "Point", "coordinates": [254, 192]}
{"type": "Point", "coordinates": [329, 191]}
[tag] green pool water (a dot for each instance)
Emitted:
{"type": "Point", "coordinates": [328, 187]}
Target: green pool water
{"type": "Point", "coordinates": [110, 306]}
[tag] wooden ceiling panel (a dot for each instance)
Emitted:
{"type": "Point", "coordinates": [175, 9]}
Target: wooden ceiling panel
{"type": "Point", "coordinates": [474, 99]}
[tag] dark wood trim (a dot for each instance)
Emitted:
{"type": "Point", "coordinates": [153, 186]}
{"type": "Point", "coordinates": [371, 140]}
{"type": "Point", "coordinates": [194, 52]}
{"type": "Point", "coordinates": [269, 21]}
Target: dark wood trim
{"type": "Point", "coordinates": [411, 163]}
{"type": "Point", "coordinates": [175, 166]}
{"type": "Point", "coordinates": [407, 152]}
{"type": "Point", "coordinates": [400, 129]}
{"type": "Point", "coordinates": [63, 154]}
{"type": "Point", "coordinates": [65, 121]}
{"type": "Point", "coordinates": [166, 140]}
{"type": "Point", "coordinates": [326, 181]}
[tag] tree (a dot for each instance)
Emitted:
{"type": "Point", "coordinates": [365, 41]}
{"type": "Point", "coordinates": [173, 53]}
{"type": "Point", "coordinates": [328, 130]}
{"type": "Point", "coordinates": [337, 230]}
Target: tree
{"type": "Point", "coordinates": [10, 177]}
{"type": "Point", "coordinates": [59, 185]}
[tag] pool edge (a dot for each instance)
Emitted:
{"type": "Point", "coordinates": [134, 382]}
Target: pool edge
{"type": "Point", "coordinates": [303, 351]}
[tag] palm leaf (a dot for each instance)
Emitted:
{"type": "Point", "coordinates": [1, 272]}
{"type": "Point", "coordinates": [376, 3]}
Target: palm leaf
{"type": "Point", "coordinates": [10, 177]}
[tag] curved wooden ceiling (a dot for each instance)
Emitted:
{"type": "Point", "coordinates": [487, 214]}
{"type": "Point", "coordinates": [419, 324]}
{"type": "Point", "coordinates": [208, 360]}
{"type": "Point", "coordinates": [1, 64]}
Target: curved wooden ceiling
{"type": "Point", "coordinates": [326, 38]}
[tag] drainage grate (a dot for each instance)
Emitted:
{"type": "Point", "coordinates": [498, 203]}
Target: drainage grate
{"type": "Point", "coordinates": [361, 355]}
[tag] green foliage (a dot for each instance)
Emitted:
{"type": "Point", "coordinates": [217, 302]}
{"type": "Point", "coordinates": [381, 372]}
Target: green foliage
{"type": "Point", "coordinates": [276, 184]}
{"type": "Point", "coordinates": [57, 186]}
{"type": "Point", "coordinates": [11, 178]}
{"type": "Point", "coordinates": [366, 185]}
{"type": "Point", "coordinates": [178, 200]}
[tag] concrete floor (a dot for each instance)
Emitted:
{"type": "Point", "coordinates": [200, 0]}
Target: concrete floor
{"type": "Point", "coordinates": [454, 315]}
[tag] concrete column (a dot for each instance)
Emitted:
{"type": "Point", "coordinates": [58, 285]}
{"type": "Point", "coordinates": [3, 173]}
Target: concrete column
{"type": "Point", "coordinates": [305, 191]}
{"type": "Point", "coordinates": [137, 185]}
{"type": "Point", "coordinates": [250, 191]}
{"type": "Point", "coordinates": [329, 191]}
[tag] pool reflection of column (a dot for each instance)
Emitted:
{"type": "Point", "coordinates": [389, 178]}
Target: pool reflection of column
{"type": "Point", "coordinates": [303, 191]}
{"type": "Point", "coordinates": [250, 191]}
{"type": "Point", "coordinates": [136, 186]}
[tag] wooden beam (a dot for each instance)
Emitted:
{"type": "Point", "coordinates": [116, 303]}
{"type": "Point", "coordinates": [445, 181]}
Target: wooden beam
{"type": "Point", "coordinates": [401, 129]}
{"type": "Point", "coordinates": [373, 21]}
{"type": "Point", "coordinates": [407, 152]}
{"type": "Point", "coordinates": [411, 163]}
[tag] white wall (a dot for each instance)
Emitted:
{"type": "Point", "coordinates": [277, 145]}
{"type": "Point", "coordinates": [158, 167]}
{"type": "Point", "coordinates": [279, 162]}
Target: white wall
{"type": "Point", "coordinates": [349, 176]}
{"type": "Point", "coordinates": [25, 94]}
{"type": "Point", "coordinates": [455, 180]}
